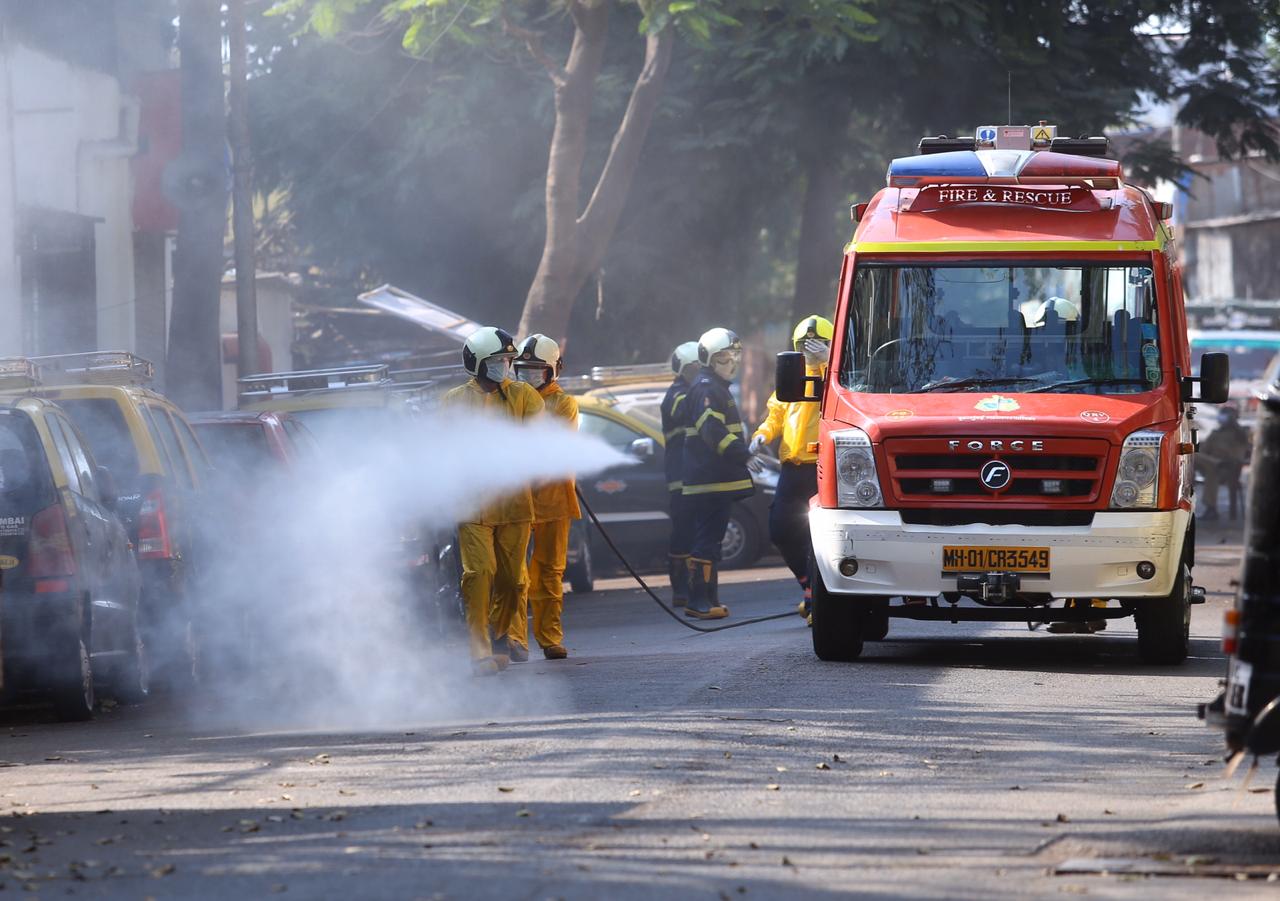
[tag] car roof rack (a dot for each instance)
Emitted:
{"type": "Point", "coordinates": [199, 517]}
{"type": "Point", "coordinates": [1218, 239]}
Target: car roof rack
{"type": "Point", "coordinates": [609, 376]}
{"type": "Point", "coordinates": [19, 372]}
{"type": "Point", "coordinates": [312, 380]}
{"type": "Point", "coordinates": [98, 367]}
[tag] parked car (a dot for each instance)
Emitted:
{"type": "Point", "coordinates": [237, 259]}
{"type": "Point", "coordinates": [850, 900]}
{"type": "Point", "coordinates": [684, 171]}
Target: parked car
{"type": "Point", "coordinates": [253, 441]}
{"type": "Point", "coordinates": [69, 615]}
{"type": "Point", "coordinates": [631, 501]}
{"type": "Point", "coordinates": [160, 472]}
{"type": "Point", "coordinates": [1255, 358]}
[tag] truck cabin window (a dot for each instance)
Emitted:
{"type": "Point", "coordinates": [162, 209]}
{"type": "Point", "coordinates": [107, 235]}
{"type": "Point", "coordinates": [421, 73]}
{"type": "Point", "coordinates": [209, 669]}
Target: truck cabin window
{"type": "Point", "coordinates": [1082, 328]}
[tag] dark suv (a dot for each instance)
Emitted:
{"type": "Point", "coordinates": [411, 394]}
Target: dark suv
{"type": "Point", "coordinates": [69, 608]}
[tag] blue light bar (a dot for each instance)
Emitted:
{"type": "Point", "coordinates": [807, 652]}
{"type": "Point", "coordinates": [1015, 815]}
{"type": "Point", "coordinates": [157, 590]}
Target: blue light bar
{"type": "Point", "coordinates": [907, 171]}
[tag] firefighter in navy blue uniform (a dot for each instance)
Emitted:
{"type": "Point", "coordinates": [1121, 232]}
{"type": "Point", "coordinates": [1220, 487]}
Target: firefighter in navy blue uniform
{"type": "Point", "coordinates": [684, 363]}
{"type": "Point", "coordinates": [716, 465]}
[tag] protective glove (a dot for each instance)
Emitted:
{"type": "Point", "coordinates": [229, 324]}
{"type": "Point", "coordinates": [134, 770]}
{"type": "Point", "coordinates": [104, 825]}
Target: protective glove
{"type": "Point", "coordinates": [757, 444]}
{"type": "Point", "coordinates": [755, 464]}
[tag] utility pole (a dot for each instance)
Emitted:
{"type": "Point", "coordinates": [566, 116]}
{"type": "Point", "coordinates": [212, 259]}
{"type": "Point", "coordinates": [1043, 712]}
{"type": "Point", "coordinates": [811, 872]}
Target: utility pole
{"type": "Point", "coordinates": [198, 187]}
{"type": "Point", "coordinates": [247, 362]}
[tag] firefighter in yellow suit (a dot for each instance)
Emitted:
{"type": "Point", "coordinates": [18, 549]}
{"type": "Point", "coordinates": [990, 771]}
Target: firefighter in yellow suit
{"type": "Point", "coordinates": [493, 543]}
{"type": "Point", "coordinates": [555, 506]}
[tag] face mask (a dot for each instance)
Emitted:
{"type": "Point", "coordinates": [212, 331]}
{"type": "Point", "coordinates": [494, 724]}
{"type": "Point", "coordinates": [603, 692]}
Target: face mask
{"type": "Point", "coordinates": [497, 369]}
{"type": "Point", "coordinates": [725, 364]}
{"type": "Point", "coordinates": [815, 350]}
{"type": "Point", "coordinates": [537, 376]}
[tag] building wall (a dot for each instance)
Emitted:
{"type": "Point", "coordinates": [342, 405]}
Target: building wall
{"type": "Point", "coordinates": [9, 281]}
{"type": "Point", "coordinates": [73, 135]}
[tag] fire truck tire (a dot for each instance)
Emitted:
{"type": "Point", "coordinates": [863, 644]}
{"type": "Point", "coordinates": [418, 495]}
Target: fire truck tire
{"type": "Point", "coordinates": [1164, 624]}
{"type": "Point", "coordinates": [839, 623]}
{"type": "Point", "coordinates": [877, 628]}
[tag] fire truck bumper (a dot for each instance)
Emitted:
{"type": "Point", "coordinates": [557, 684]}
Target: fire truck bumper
{"type": "Point", "coordinates": [1118, 555]}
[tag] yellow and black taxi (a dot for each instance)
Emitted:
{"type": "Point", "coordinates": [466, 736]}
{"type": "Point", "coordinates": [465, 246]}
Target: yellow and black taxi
{"type": "Point", "coordinates": [631, 500]}
{"type": "Point", "coordinates": [70, 581]}
{"type": "Point", "coordinates": [160, 472]}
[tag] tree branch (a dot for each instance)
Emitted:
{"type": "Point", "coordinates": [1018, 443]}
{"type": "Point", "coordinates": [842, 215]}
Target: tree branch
{"type": "Point", "coordinates": [533, 41]}
{"type": "Point", "coordinates": [600, 218]}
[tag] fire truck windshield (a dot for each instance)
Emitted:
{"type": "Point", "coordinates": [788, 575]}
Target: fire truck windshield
{"type": "Point", "coordinates": [1088, 328]}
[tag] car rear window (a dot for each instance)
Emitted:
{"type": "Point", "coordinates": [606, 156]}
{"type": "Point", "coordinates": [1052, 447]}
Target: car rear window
{"type": "Point", "coordinates": [103, 426]}
{"type": "Point", "coordinates": [25, 486]}
{"type": "Point", "coordinates": [235, 447]}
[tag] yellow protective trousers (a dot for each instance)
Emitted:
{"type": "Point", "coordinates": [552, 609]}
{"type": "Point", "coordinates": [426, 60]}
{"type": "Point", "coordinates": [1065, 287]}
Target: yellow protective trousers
{"type": "Point", "coordinates": [546, 587]}
{"type": "Point", "coordinates": [494, 579]}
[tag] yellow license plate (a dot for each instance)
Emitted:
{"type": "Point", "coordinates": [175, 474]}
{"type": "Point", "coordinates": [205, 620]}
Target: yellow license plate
{"type": "Point", "coordinates": [993, 559]}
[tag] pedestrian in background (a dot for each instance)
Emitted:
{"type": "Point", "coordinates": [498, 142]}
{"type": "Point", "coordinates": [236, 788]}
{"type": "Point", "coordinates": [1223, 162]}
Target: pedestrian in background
{"type": "Point", "coordinates": [684, 363]}
{"type": "Point", "coordinates": [493, 543]}
{"type": "Point", "coordinates": [555, 506]}
{"type": "Point", "coordinates": [1222, 457]}
{"type": "Point", "coordinates": [795, 426]}
{"type": "Point", "coordinates": [715, 467]}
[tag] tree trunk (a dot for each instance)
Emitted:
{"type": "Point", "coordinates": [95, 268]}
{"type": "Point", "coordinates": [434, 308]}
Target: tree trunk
{"type": "Point", "coordinates": [818, 254]}
{"type": "Point", "coordinates": [194, 368]}
{"type": "Point", "coordinates": [574, 249]}
{"type": "Point", "coordinates": [247, 362]}
{"type": "Point", "coordinates": [574, 93]}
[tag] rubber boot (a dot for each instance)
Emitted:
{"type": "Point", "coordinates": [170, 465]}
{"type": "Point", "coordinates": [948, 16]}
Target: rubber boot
{"type": "Point", "coordinates": [678, 569]}
{"type": "Point", "coordinates": [701, 585]}
{"type": "Point", "coordinates": [715, 589]}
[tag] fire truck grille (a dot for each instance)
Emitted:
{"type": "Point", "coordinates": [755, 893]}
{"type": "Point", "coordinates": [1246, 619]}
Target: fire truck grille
{"type": "Point", "coordinates": [1068, 471]}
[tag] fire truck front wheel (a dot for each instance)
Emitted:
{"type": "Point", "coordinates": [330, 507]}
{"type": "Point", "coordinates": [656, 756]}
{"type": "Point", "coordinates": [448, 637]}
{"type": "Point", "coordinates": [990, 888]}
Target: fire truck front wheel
{"type": "Point", "coordinates": [839, 623]}
{"type": "Point", "coordinates": [1164, 624]}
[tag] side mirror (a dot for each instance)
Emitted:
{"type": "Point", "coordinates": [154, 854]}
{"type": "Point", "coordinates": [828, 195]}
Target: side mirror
{"type": "Point", "coordinates": [1214, 380]}
{"type": "Point", "coordinates": [107, 487]}
{"type": "Point", "coordinates": [791, 383]}
{"type": "Point", "coordinates": [643, 448]}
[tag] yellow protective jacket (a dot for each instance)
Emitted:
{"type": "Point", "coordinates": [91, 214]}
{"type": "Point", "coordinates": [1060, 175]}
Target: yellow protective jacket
{"type": "Point", "coordinates": [796, 424]}
{"type": "Point", "coordinates": [557, 500]}
{"type": "Point", "coordinates": [519, 401]}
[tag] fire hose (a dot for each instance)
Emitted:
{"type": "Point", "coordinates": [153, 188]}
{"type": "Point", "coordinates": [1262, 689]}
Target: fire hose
{"type": "Point", "coordinates": [649, 591]}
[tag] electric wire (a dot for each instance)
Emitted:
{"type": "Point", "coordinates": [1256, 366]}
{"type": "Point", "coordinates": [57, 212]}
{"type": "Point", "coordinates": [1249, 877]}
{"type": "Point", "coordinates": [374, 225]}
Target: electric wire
{"type": "Point", "coordinates": [649, 591]}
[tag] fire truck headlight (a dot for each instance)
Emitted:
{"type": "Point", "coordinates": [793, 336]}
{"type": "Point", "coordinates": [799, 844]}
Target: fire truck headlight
{"type": "Point", "coordinates": [858, 483]}
{"type": "Point", "coordinates": [1138, 475]}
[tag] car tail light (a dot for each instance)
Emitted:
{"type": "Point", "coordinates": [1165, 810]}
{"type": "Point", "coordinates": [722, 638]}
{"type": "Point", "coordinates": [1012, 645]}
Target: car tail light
{"type": "Point", "coordinates": [153, 527]}
{"type": "Point", "coordinates": [1230, 630]}
{"type": "Point", "coordinates": [50, 558]}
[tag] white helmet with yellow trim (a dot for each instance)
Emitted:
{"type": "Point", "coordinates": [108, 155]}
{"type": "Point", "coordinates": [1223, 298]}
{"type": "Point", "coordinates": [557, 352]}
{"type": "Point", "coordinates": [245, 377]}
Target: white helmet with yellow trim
{"type": "Point", "coordinates": [539, 361]}
{"type": "Point", "coordinates": [488, 352]}
{"type": "Point", "coordinates": [720, 350]}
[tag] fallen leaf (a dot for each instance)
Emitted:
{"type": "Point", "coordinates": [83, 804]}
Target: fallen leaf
{"type": "Point", "coordinates": [780, 769]}
{"type": "Point", "coordinates": [162, 870]}
{"type": "Point", "coordinates": [53, 758]}
{"type": "Point", "coordinates": [505, 788]}
{"type": "Point", "coordinates": [786, 861]}
{"type": "Point", "coordinates": [343, 791]}
{"type": "Point", "coordinates": [773, 786]}
{"type": "Point", "coordinates": [524, 813]}
{"type": "Point", "coordinates": [714, 688]}
{"type": "Point", "coordinates": [1196, 785]}
{"type": "Point", "coordinates": [635, 793]}
{"type": "Point", "coordinates": [1109, 813]}
{"type": "Point", "coordinates": [753, 846]}
{"type": "Point", "coordinates": [822, 765]}
{"type": "Point", "coordinates": [1063, 818]}
{"type": "Point", "coordinates": [1259, 791]}
{"type": "Point", "coordinates": [275, 819]}
{"type": "Point", "coordinates": [728, 754]}
{"type": "Point", "coordinates": [837, 758]}
{"type": "Point", "coordinates": [1200, 860]}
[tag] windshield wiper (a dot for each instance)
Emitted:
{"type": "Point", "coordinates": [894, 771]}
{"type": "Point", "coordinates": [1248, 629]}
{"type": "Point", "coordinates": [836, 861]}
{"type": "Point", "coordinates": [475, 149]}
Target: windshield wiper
{"type": "Point", "coordinates": [973, 382]}
{"type": "Point", "coordinates": [1087, 381]}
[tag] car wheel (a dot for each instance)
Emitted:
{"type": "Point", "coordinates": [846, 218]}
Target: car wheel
{"type": "Point", "coordinates": [73, 696]}
{"type": "Point", "coordinates": [581, 575]}
{"type": "Point", "coordinates": [133, 681]}
{"type": "Point", "coordinates": [1164, 624]}
{"type": "Point", "coordinates": [741, 544]}
{"type": "Point", "coordinates": [839, 623]}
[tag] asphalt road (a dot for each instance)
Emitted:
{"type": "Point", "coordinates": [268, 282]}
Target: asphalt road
{"type": "Point", "coordinates": [952, 762]}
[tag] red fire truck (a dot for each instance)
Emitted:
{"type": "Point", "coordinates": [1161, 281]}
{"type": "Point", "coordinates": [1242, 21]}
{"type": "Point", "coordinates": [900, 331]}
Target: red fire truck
{"type": "Point", "coordinates": [1006, 428]}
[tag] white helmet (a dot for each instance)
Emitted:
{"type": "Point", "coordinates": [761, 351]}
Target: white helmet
{"type": "Point", "coordinates": [720, 350]}
{"type": "Point", "coordinates": [539, 361]}
{"type": "Point", "coordinates": [684, 355]}
{"type": "Point", "coordinates": [484, 344]}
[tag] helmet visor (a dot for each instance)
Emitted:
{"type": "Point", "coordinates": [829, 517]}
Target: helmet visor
{"type": "Point", "coordinates": [726, 363]}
